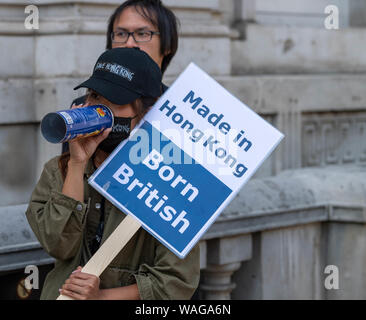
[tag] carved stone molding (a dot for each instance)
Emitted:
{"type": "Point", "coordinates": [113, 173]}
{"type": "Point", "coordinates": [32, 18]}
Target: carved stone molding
{"type": "Point", "coordinates": [334, 138]}
{"type": "Point", "coordinates": [224, 257]}
{"type": "Point", "coordinates": [216, 281]}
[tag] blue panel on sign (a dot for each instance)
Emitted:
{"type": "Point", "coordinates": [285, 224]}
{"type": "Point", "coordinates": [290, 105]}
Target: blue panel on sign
{"type": "Point", "coordinates": [168, 191]}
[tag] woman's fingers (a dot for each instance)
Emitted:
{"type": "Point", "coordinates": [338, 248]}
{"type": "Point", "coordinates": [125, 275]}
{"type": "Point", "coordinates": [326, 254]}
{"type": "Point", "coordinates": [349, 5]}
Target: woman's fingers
{"type": "Point", "coordinates": [91, 143]}
{"type": "Point", "coordinates": [83, 148]}
{"type": "Point", "coordinates": [72, 294]}
{"type": "Point", "coordinates": [81, 285]}
{"type": "Point", "coordinates": [96, 140]}
{"type": "Point", "coordinates": [81, 105]}
{"type": "Point", "coordinates": [74, 287]}
{"type": "Point", "coordinates": [75, 106]}
{"type": "Point", "coordinates": [77, 282]}
{"type": "Point", "coordinates": [82, 276]}
{"type": "Point", "coordinates": [100, 137]}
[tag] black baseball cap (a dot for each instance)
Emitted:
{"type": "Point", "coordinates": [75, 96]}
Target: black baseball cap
{"type": "Point", "coordinates": [122, 75]}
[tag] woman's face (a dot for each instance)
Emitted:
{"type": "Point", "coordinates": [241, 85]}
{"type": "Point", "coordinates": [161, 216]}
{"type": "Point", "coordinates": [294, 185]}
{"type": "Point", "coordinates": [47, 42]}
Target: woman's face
{"type": "Point", "coordinates": [130, 20]}
{"type": "Point", "coordinates": [125, 111]}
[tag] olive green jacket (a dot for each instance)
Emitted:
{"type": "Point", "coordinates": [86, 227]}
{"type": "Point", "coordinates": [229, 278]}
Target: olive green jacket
{"type": "Point", "coordinates": [64, 226]}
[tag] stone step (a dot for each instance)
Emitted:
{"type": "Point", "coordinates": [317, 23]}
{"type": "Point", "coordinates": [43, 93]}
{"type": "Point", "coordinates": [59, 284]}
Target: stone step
{"type": "Point", "coordinates": [286, 49]}
{"type": "Point", "coordinates": [25, 101]}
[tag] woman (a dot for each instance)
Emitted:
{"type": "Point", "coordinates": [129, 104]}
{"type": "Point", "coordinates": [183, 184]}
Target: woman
{"type": "Point", "coordinates": [71, 220]}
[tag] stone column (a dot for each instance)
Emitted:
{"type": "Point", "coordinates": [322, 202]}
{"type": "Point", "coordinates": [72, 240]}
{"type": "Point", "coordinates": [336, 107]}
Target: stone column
{"type": "Point", "coordinates": [224, 257]}
{"type": "Point", "coordinates": [203, 254]}
{"type": "Point", "coordinates": [245, 10]}
{"type": "Point", "coordinates": [289, 121]}
{"type": "Point", "coordinates": [357, 13]}
{"type": "Point", "coordinates": [17, 128]}
{"type": "Point", "coordinates": [217, 283]}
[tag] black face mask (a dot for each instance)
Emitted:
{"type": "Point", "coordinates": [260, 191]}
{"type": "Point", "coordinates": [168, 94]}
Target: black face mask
{"type": "Point", "coordinates": [121, 130]}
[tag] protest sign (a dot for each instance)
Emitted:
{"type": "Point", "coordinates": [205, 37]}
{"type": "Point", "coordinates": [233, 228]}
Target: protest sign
{"type": "Point", "coordinates": [186, 160]}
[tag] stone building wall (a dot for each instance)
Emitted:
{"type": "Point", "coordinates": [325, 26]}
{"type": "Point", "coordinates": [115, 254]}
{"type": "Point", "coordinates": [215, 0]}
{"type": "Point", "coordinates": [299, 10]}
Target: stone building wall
{"type": "Point", "coordinates": [278, 58]}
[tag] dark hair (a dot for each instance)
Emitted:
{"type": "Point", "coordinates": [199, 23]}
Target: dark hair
{"type": "Point", "coordinates": [161, 17]}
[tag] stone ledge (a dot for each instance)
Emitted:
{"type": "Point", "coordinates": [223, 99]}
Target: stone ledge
{"type": "Point", "coordinates": [19, 247]}
{"type": "Point", "coordinates": [298, 12]}
{"type": "Point", "coordinates": [198, 18]}
{"type": "Point", "coordinates": [270, 94]}
{"type": "Point", "coordinates": [351, 214]}
{"type": "Point", "coordinates": [14, 229]}
{"type": "Point", "coordinates": [281, 49]}
{"type": "Point", "coordinates": [190, 4]}
{"type": "Point", "coordinates": [301, 188]}
{"type": "Point", "coordinates": [267, 95]}
{"type": "Point", "coordinates": [333, 193]}
{"type": "Point", "coordinates": [261, 221]}
{"type": "Point", "coordinates": [98, 26]}
{"type": "Point", "coordinates": [315, 7]}
{"type": "Point", "coordinates": [19, 260]}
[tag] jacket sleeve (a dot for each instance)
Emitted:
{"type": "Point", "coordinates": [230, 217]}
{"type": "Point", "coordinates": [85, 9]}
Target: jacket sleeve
{"type": "Point", "coordinates": [56, 219]}
{"type": "Point", "coordinates": [171, 278]}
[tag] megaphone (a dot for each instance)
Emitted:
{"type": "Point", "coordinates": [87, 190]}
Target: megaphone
{"type": "Point", "coordinates": [65, 125]}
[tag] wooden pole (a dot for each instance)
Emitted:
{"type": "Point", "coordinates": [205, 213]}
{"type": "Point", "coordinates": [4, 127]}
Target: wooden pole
{"type": "Point", "coordinates": [110, 248]}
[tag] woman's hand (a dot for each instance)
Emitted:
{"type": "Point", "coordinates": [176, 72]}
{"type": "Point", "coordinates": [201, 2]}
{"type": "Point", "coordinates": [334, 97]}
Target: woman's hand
{"type": "Point", "coordinates": [81, 286]}
{"type": "Point", "coordinates": [84, 286]}
{"type": "Point", "coordinates": [82, 149]}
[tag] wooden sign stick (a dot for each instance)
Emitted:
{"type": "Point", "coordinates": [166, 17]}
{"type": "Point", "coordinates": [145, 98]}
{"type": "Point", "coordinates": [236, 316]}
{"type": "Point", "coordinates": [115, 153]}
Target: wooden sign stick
{"type": "Point", "coordinates": [110, 248]}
